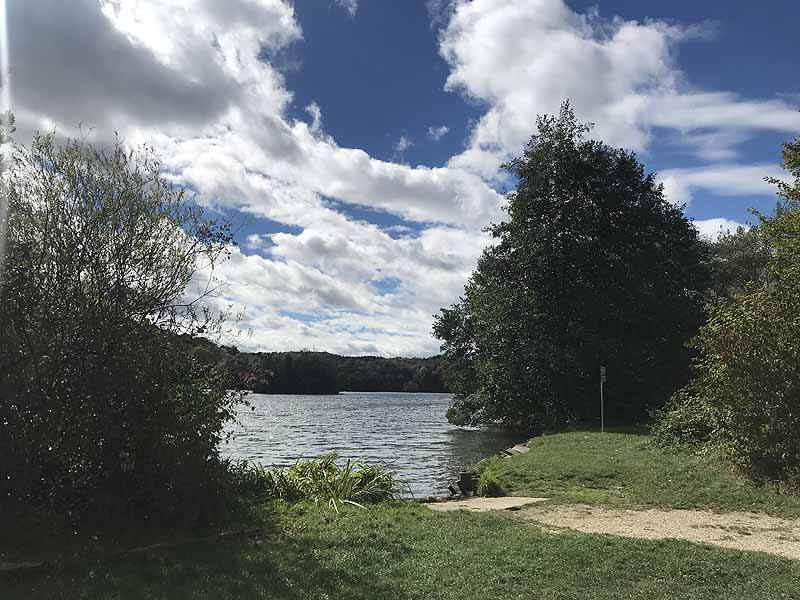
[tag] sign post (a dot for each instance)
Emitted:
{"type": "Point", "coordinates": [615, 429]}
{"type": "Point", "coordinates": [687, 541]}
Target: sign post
{"type": "Point", "coordinates": [602, 408]}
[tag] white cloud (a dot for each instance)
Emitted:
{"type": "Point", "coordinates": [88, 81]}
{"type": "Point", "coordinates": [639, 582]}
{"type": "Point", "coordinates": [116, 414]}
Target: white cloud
{"type": "Point", "coordinates": [403, 144]}
{"type": "Point", "coordinates": [523, 58]}
{"type": "Point", "coordinates": [351, 6]}
{"type": "Point", "coordinates": [314, 110]}
{"type": "Point", "coordinates": [257, 241]}
{"type": "Point", "coordinates": [436, 133]}
{"type": "Point", "coordinates": [720, 179]}
{"type": "Point", "coordinates": [193, 79]}
{"type": "Point", "coordinates": [714, 228]}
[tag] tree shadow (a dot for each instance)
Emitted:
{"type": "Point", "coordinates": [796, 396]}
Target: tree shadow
{"type": "Point", "coordinates": [268, 562]}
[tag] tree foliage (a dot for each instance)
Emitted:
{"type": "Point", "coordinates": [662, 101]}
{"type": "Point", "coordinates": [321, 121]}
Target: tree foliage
{"type": "Point", "coordinates": [306, 372]}
{"type": "Point", "coordinates": [103, 410]}
{"type": "Point", "coordinates": [592, 267]}
{"type": "Point", "coordinates": [738, 259]}
{"type": "Point", "coordinates": [745, 396]}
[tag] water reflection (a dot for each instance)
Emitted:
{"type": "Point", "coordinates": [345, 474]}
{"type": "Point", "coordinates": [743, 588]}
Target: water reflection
{"type": "Point", "coordinates": [409, 432]}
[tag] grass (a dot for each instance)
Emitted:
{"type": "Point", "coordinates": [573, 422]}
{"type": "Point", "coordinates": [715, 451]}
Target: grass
{"type": "Point", "coordinates": [626, 470]}
{"type": "Point", "coordinates": [405, 551]}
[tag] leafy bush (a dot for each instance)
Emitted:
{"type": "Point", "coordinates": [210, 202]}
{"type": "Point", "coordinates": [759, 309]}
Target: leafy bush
{"type": "Point", "coordinates": [593, 266]}
{"type": "Point", "coordinates": [105, 413]}
{"type": "Point", "coordinates": [746, 391]}
{"type": "Point", "coordinates": [685, 420]}
{"type": "Point", "coordinates": [323, 481]}
{"type": "Point", "coordinates": [749, 381]}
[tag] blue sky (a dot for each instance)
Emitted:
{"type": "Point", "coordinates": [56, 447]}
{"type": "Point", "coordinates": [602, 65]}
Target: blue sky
{"type": "Point", "coordinates": [393, 83]}
{"type": "Point", "coordinates": [356, 144]}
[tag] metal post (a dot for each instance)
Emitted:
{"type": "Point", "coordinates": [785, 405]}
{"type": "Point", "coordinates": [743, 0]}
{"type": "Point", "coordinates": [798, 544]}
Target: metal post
{"type": "Point", "coordinates": [602, 407]}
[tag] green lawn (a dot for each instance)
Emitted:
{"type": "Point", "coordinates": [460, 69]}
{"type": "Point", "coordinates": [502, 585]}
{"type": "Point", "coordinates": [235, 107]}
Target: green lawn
{"type": "Point", "coordinates": [623, 469]}
{"type": "Point", "coordinates": [406, 551]}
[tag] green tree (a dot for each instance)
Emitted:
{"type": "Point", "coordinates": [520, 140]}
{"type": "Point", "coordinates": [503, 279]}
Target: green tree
{"type": "Point", "coordinates": [104, 410]}
{"type": "Point", "coordinates": [745, 396]}
{"type": "Point", "coordinates": [737, 259]}
{"type": "Point", "coordinates": [592, 267]}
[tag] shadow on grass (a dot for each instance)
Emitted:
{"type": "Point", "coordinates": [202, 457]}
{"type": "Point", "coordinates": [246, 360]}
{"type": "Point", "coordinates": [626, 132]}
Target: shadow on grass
{"type": "Point", "coordinates": [609, 427]}
{"type": "Point", "coordinates": [267, 561]}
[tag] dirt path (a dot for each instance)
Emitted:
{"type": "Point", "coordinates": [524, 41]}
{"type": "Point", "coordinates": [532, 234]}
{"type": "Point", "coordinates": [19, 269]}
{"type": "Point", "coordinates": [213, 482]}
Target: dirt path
{"type": "Point", "coordinates": [485, 504]}
{"type": "Point", "coordinates": [741, 531]}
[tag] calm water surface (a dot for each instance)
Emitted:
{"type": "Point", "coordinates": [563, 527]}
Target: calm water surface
{"type": "Point", "coordinates": [407, 432]}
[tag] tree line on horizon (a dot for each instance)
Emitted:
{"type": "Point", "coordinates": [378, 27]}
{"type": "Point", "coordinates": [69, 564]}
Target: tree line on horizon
{"type": "Point", "coordinates": [313, 373]}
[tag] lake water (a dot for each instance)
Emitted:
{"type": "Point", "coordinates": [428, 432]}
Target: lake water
{"type": "Point", "coordinates": [409, 433]}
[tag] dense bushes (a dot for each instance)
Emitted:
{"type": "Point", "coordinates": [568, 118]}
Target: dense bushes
{"type": "Point", "coordinates": [105, 413]}
{"type": "Point", "coordinates": [745, 397]}
{"type": "Point", "coordinates": [684, 421]}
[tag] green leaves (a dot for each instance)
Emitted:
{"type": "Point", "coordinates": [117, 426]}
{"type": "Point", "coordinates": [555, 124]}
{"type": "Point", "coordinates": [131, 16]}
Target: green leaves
{"type": "Point", "coordinates": [101, 248]}
{"type": "Point", "coordinates": [592, 267]}
{"type": "Point", "coordinates": [747, 382]}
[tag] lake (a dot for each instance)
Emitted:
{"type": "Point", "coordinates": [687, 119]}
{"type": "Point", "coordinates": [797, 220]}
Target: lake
{"type": "Point", "coordinates": [409, 433]}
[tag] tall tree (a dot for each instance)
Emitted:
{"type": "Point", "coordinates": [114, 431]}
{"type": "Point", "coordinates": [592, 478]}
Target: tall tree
{"type": "Point", "coordinates": [592, 267]}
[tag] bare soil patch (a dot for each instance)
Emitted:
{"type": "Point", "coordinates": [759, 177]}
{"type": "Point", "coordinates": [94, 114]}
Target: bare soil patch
{"type": "Point", "coordinates": [486, 504]}
{"type": "Point", "coordinates": [738, 530]}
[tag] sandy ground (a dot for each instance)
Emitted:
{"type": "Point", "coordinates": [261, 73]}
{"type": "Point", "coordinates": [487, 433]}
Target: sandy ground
{"type": "Point", "coordinates": [741, 531]}
{"type": "Point", "coordinates": [486, 504]}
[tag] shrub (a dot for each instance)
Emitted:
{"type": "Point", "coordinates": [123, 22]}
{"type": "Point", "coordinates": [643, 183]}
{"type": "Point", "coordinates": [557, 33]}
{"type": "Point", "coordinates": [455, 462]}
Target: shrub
{"type": "Point", "coordinates": [325, 482]}
{"type": "Point", "coordinates": [685, 420]}
{"type": "Point", "coordinates": [749, 382]}
{"type": "Point", "coordinates": [746, 390]}
{"type": "Point", "coordinates": [105, 413]}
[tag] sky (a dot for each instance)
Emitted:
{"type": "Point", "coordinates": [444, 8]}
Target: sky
{"type": "Point", "coordinates": [355, 144]}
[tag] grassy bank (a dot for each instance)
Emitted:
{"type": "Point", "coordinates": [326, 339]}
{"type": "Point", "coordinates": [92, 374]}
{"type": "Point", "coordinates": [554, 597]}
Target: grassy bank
{"type": "Point", "coordinates": [625, 470]}
{"type": "Point", "coordinates": [407, 551]}
{"type": "Point", "coordinates": [404, 550]}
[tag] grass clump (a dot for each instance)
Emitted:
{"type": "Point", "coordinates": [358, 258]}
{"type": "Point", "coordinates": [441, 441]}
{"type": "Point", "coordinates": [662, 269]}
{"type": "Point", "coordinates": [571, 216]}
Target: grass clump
{"type": "Point", "coordinates": [324, 481]}
{"type": "Point", "coordinates": [490, 487]}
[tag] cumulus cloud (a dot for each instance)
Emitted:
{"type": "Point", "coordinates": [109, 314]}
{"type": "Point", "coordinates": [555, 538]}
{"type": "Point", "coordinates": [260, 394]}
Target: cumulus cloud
{"type": "Point", "coordinates": [194, 80]}
{"type": "Point", "coordinates": [437, 133]}
{"type": "Point", "coordinates": [714, 228]}
{"type": "Point", "coordinates": [111, 63]}
{"type": "Point", "coordinates": [523, 58]}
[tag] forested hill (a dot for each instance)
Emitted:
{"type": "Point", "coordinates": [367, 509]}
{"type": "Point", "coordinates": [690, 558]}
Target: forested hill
{"type": "Point", "coordinates": [306, 372]}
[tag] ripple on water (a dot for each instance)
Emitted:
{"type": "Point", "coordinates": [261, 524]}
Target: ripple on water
{"type": "Point", "coordinates": [407, 432]}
